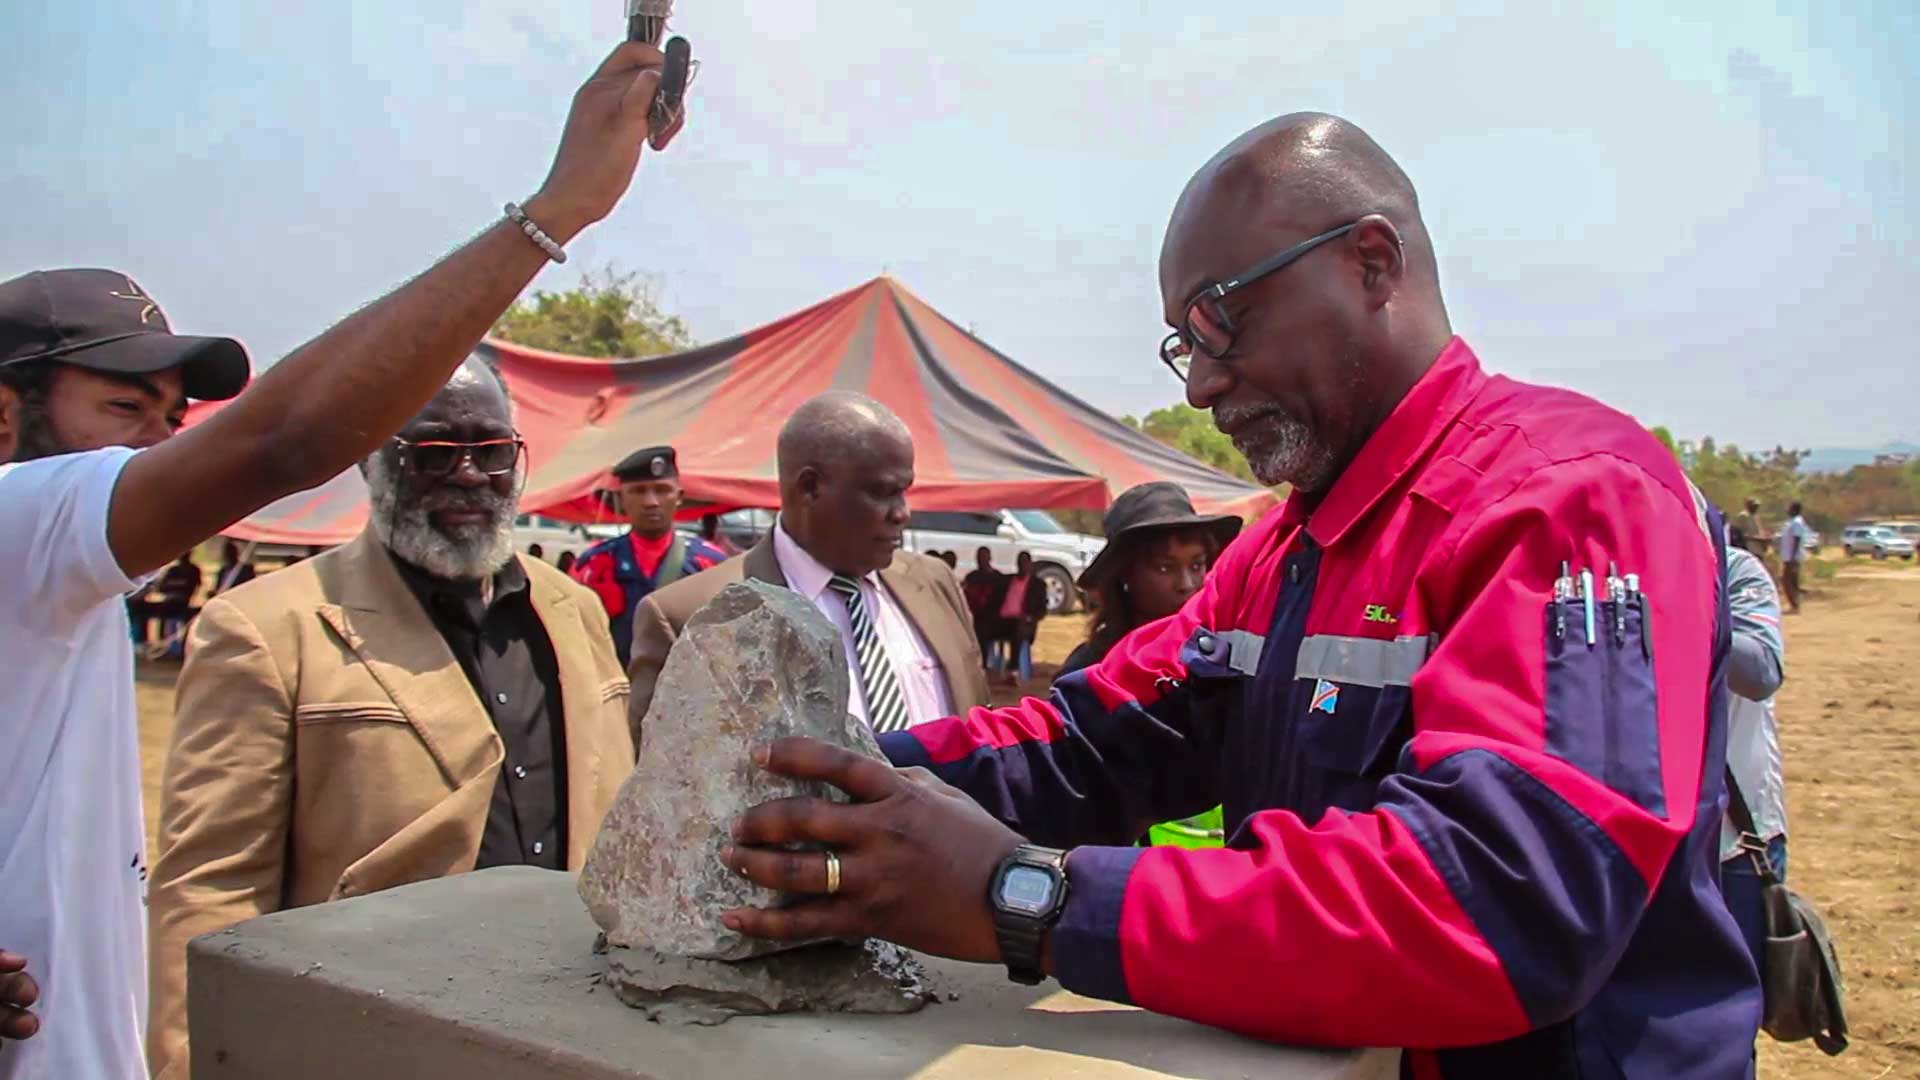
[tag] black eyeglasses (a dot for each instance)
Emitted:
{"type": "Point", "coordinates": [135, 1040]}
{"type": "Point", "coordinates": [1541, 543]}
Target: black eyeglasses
{"type": "Point", "coordinates": [439, 458]}
{"type": "Point", "coordinates": [1207, 327]}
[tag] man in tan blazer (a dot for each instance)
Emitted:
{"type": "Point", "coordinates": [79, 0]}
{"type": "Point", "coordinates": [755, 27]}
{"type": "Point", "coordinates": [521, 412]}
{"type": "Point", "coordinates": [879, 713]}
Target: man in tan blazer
{"type": "Point", "coordinates": [845, 465]}
{"type": "Point", "coordinates": [418, 703]}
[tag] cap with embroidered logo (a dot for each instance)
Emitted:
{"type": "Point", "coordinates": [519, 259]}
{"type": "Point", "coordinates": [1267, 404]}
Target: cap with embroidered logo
{"type": "Point", "coordinates": [103, 321]}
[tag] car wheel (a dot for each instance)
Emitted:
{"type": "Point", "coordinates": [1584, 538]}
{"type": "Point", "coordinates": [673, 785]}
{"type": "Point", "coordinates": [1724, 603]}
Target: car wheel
{"type": "Point", "coordinates": [1061, 597]}
{"type": "Point", "coordinates": [1849, 550]}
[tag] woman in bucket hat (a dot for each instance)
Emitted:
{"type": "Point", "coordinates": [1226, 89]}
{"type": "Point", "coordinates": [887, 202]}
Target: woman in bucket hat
{"type": "Point", "coordinates": [1158, 551]}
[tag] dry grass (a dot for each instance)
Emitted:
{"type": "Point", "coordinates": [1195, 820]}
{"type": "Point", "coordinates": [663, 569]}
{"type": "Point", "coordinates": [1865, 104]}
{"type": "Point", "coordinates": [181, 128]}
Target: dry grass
{"type": "Point", "coordinates": [1850, 725]}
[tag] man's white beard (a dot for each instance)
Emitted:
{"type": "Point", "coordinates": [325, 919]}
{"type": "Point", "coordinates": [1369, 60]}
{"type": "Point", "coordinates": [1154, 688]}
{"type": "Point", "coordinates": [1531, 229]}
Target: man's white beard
{"type": "Point", "coordinates": [467, 553]}
{"type": "Point", "coordinates": [1280, 449]}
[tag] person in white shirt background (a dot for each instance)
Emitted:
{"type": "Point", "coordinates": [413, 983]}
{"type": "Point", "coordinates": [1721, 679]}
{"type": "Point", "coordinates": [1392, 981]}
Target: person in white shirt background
{"type": "Point", "coordinates": [1792, 540]}
{"type": "Point", "coordinates": [97, 493]}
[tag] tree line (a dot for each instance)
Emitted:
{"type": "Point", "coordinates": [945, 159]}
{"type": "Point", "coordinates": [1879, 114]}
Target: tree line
{"type": "Point", "coordinates": [1728, 475]}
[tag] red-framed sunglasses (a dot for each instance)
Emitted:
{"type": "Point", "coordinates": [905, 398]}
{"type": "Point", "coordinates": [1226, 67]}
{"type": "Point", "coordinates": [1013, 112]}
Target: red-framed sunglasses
{"type": "Point", "coordinates": [441, 458]}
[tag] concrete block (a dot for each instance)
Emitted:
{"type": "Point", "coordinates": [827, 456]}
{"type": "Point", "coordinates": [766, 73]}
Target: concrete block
{"type": "Point", "coordinates": [492, 974]}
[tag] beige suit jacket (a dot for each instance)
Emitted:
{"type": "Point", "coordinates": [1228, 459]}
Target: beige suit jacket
{"type": "Point", "coordinates": [327, 744]}
{"type": "Point", "coordinates": [924, 588]}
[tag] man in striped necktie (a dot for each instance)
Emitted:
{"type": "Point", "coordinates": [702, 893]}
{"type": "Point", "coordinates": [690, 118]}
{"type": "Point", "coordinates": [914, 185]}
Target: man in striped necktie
{"type": "Point", "coordinates": [879, 682]}
{"type": "Point", "coordinates": [845, 463]}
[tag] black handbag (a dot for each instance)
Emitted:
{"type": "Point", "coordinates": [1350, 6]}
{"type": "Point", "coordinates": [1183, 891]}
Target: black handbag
{"type": "Point", "coordinates": [1801, 984]}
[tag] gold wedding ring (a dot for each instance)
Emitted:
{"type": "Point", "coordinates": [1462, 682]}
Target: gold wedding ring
{"type": "Point", "coordinates": [833, 873]}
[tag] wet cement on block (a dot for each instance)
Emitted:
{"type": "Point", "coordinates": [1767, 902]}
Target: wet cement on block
{"type": "Point", "coordinates": [871, 977]}
{"type": "Point", "coordinates": [492, 974]}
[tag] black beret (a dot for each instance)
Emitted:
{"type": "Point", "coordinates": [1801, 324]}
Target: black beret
{"type": "Point", "coordinates": [653, 463]}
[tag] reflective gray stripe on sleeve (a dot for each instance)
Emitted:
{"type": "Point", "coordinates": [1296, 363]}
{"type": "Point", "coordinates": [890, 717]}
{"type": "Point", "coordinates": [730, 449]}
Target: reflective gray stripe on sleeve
{"type": "Point", "coordinates": [1361, 661]}
{"type": "Point", "coordinates": [1245, 646]}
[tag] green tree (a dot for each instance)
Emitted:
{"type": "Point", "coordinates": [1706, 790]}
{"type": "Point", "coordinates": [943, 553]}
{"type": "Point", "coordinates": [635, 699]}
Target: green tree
{"type": "Point", "coordinates": [1191, 431]}
{"type": "Point", "coordinates": [1729, 476]}
{"type": "Point", "coordinates": [610, 313]}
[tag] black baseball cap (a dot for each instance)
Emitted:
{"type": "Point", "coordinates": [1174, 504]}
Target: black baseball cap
{"type": "Point", "coordinates": [653, 463]}
{"type": "Point", "coordinates": [100, 319]}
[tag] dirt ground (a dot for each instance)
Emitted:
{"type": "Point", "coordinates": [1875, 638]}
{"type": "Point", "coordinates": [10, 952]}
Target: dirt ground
{"type": "Point", "coordinates": [1850, 728]}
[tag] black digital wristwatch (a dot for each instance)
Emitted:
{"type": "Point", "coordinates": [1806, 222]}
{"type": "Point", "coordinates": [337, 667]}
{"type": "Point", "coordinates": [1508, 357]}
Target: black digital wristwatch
{"type": "Point", "coordinates": [1028, 893]}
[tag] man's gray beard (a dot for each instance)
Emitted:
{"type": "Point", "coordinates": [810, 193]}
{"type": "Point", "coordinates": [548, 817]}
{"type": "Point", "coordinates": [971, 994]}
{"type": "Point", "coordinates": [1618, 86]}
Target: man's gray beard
{"type": "Point", "coordinates": [470, 553]}
{"type": "Point", "coordinates": [1280, 449]}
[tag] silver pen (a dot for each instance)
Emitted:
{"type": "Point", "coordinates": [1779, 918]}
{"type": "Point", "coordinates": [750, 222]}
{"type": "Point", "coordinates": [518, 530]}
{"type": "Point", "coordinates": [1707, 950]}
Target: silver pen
{"type": "Point", "coordinates": [1586, 595]}
{"type": "Point", "coordinates": [1646, 615]}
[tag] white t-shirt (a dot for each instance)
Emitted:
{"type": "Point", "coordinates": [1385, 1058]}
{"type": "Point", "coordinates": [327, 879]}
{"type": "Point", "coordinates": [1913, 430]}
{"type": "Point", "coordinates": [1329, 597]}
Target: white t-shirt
{"type": "Point", "coordinates": [1792, 541]}
{"type": "Point", "coordinates": [73, 861]}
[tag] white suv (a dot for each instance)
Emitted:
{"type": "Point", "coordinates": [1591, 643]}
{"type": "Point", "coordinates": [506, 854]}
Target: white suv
{"type": "Point", "coordinates": [1058, 555]}
{"type": "Point", "coordinates": [1880, 541]}
{"type": "Point", "coordinates": [555, 536]}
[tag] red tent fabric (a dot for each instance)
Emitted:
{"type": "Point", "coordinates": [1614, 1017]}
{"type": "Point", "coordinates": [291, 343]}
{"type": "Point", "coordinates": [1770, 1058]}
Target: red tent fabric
{"type": "Point", "coordinates": [987, 432]}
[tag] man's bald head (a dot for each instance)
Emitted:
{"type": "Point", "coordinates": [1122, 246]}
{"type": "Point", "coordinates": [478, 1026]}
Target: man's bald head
{"type": "Point", "coordinates": [846, 462]}
{"type": "Point", "coordinates": [1323, 348]}
{"type": "Point", "coordinates": [835, 426]}
{"type": "Point", "coordinates": [1292, 177]}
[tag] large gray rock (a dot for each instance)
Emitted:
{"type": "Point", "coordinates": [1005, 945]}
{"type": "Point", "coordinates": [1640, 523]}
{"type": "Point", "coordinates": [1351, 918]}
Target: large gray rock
{"type": "Point", "coordinates": [757, 663]}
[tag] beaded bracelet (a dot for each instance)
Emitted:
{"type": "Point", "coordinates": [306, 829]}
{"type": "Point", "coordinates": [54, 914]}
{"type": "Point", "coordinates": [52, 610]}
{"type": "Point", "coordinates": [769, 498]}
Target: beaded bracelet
{"type": "Point", "coordinates": [535, 233]}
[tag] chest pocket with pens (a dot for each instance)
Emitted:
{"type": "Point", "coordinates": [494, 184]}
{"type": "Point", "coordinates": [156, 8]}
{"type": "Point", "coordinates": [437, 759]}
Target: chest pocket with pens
{"type": "Point", "coordinates": [1602, 709]}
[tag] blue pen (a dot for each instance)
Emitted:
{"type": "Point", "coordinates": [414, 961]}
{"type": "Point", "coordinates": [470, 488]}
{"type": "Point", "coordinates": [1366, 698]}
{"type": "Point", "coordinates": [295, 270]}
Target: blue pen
{"type": "Point", "coordinates": [1586, 594]}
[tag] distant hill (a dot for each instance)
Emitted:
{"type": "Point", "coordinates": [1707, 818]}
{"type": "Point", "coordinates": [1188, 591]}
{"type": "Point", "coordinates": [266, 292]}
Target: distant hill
{"type": "Point", "coordinates": [1840, 460]}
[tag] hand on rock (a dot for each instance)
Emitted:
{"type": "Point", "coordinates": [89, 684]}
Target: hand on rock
{"type": "Point", "coordinates": [916, 856]}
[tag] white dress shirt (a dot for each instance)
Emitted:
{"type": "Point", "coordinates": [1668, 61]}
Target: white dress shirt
{"type": "Point", "coordinates": [922, 680]}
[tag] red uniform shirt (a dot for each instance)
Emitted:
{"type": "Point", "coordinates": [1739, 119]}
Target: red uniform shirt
{"type": "Point", "coordinates": [596, 570]}
{"type": "Point", "coordinates": [1454, 820]}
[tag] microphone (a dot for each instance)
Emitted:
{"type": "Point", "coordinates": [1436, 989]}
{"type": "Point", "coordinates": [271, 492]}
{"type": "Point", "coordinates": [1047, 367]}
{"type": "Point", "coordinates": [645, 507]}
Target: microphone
{"type": "Point", "coordinates": [647, 22]}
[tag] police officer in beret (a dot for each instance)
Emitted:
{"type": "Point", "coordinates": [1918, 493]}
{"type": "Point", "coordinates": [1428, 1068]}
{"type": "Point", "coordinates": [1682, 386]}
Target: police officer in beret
{"type": "Point", "coordinates": [625, 569]}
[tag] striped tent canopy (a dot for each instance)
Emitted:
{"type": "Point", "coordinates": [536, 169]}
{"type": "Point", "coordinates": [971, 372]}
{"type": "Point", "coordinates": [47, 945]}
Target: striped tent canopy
{"type": "Point", "coordinates": [987, 432]}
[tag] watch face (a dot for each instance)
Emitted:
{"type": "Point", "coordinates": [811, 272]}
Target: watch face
{"type": "Point", "coordinates": [1027, 890]}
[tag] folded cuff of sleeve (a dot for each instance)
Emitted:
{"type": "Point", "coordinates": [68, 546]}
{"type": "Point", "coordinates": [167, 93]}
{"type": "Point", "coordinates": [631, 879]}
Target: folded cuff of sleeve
{"type": "Point", "coordinates": [1086, 941]}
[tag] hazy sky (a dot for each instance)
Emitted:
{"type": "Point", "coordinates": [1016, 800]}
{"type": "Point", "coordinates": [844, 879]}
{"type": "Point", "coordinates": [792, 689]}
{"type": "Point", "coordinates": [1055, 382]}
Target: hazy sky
{"type": "Point", "coordinates": [1708, 221]}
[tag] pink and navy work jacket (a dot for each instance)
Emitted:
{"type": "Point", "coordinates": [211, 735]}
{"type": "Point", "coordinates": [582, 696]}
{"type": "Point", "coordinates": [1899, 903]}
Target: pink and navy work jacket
{"type": "Point", "coordinates": [1455, 825]}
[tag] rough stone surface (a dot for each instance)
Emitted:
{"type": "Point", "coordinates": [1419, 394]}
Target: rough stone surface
{"type": "Point", "coordinates": [871, 977]}
{"type": "Point", "coordinates": [757, 663]}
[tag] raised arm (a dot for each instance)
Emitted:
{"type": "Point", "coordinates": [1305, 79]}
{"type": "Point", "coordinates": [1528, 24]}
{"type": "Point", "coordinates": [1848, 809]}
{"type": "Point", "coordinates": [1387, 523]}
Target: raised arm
{"type": "Point", "coordinates": [332, 401]}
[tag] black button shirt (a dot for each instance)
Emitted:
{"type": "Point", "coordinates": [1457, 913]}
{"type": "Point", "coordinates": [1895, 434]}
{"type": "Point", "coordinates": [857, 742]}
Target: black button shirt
{"type": "Point", "coordinates": [505, 651]}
